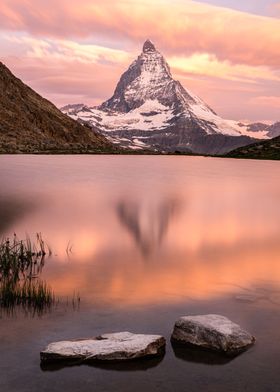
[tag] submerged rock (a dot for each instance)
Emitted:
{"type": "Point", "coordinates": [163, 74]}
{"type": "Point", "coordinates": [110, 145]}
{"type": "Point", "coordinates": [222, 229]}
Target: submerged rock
{"type": "Point", "coordinates": [121, 346]}
{"type": "Point", "coordinates": [212, 332]}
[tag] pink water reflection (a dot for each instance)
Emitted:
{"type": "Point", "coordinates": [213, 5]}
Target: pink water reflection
{"type": "Point", "coordinates": [146, 230]}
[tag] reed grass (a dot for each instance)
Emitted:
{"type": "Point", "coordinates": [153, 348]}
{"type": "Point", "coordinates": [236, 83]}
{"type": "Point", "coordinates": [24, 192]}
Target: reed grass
{"type": "Point", "coordinates": [21, 263]}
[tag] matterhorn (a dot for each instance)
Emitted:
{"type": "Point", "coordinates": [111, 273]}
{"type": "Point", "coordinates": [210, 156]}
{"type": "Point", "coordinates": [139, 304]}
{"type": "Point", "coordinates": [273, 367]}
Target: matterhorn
{"type": "Point", "coordinates": [149, 110]}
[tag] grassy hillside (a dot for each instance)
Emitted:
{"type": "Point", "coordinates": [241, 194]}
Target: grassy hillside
{"type": "Point", "coordinates": [32, 124]}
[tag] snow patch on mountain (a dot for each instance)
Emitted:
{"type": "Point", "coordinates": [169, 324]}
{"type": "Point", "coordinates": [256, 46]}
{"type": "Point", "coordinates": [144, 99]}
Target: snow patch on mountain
{"type": "Point", "coordinates": [153, 115]}
{"type": "Point", "coordinates": [225, 127]}
{"type": "Point", "coordinates": [148, 117]}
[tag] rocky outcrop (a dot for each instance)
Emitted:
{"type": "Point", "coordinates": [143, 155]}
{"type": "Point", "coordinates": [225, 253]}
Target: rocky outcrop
{"type": "Point", "coordinates": [212, 332]}
{"type": "Point", "coordinates": [122, 346]}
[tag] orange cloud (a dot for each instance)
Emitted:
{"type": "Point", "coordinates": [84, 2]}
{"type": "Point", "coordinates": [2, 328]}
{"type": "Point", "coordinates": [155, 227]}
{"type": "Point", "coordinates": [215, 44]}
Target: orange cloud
{"type": "Point", "coordinates": [182, 27]}
{"type": "Point", "coordinates": [73, 52]}
{"type": "Point", "coordinates": [67, 50]}
{"type": "Point", "coordinates": [208, 65]}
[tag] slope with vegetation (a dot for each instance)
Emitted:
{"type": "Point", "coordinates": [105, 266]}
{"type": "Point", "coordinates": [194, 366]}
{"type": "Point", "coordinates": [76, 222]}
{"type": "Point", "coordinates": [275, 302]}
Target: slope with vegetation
{"type": "Point", "coordinates": [268, 149]}
{"type": "Point", "coordinates": [32, 124]}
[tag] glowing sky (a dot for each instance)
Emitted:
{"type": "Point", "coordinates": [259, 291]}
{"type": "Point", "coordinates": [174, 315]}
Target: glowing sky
{"type": "Point", "coordinates": [226, 51]}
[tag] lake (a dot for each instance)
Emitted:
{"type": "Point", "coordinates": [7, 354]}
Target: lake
{"type": "Point", "coordinates": [143, 240]}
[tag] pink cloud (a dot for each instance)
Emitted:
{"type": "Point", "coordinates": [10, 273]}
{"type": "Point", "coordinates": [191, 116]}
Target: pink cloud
{"type": "Point", "coordinates": [64, 81]}
{"type": "Point", "coordinates": [181, 28]}
{"type": "Point", "coordinates": [270, 101]}
{"type": "Point", "coordinates": [73, 51]}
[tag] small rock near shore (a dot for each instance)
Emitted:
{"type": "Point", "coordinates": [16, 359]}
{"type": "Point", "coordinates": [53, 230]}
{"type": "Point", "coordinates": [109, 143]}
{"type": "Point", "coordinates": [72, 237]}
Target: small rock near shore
{"type": "Point", "coordinates": [121, 346]}
{"type": "Point", "coordinates": [213, 332]}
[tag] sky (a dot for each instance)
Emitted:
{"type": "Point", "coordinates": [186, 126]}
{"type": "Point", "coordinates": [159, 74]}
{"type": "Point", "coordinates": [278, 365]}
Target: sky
{"type": "Point", "coordinates": [225, 51]}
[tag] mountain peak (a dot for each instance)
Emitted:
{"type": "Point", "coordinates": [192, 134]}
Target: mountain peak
{"type": "Point", "coordinates": [148, 46]}
{"type": "Point", "coordinates": [151, 110]}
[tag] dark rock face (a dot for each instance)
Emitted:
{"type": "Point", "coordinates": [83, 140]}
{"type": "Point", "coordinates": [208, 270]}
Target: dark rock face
{"type": "Point", "coordinates": [271, 131]}
{"type": "Point", "coordinates": [257, 127]}
{"type": "Point", "coordinates": [31, 124]}
{"type": "Point", "coordinates": [148, 47]}
{"type": "Point", "coordinates": [151, 110]}
{"type": "Point", "coordinates": [274, 130]}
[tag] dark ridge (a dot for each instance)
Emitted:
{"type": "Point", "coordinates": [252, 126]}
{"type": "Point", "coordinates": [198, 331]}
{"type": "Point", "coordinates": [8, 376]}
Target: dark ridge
{"type": "Point", "coordinates": [32, 124]}
{"type": "Point", "coordinates": [268, 149]}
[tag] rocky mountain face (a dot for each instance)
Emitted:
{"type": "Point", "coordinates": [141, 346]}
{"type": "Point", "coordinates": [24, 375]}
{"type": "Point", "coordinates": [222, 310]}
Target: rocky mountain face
{"type": "Point", "coordinates": [268, 149]}
{"type": "Point", "coordinates": [273, 130]}
{"type": "Point", "coordinates": [257, 127]}
{"type": "Point", "coordinates": [151, 110]}
{"type": "Point", "coordinates": [31, 124]}
{"type": "Point", "coordinates": [270, 131]}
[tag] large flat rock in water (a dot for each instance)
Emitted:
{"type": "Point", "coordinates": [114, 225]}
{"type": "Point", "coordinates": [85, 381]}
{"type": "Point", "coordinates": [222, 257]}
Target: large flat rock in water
{"type": "Point", "coordinates": [212, 332]}
{"type": "Point", "coordinates": [121, 346]}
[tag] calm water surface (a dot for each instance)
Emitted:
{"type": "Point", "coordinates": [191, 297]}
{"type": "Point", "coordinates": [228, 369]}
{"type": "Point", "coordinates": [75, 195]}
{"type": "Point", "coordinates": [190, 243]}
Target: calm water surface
{"type": "Point", "coordinates": [151, 238]}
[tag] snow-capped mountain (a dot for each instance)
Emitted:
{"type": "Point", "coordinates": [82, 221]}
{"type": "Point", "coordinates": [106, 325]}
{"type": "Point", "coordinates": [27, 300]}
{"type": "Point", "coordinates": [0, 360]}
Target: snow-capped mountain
{"type": "Point", "coordinates": [151, 110]}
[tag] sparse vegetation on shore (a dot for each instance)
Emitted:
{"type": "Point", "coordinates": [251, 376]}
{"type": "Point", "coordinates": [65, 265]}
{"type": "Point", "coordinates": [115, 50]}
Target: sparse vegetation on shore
{"type": "Point", "coordinates": [21, 263]}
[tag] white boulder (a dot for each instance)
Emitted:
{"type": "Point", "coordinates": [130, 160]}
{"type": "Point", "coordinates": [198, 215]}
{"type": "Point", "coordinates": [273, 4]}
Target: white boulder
{"type": "Point", "coordinates": [212, 332]}
{"type": "Point", "coordinates": [108, 347]}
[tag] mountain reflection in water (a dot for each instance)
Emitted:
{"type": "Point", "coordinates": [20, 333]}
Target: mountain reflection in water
{"type": "Point", "coordinates": [149, 230]}
{"type": "Point", "coordinates": [148, 222]}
